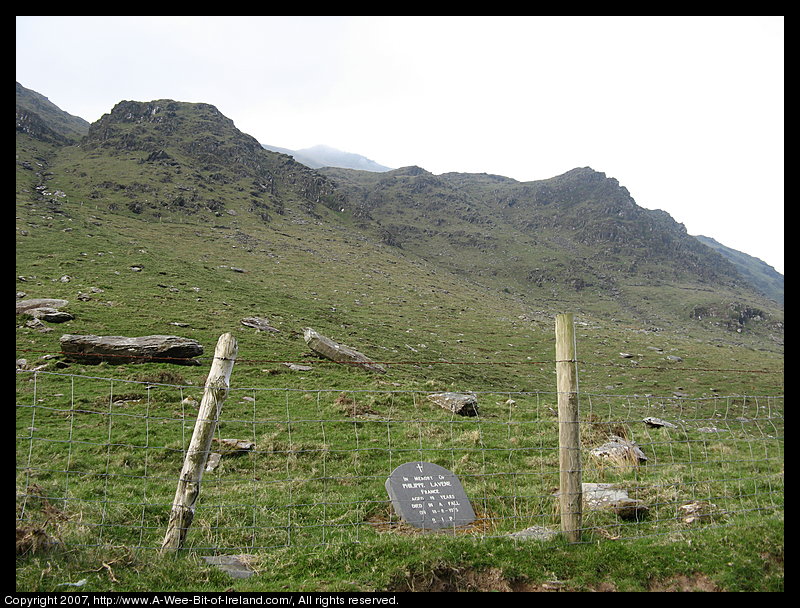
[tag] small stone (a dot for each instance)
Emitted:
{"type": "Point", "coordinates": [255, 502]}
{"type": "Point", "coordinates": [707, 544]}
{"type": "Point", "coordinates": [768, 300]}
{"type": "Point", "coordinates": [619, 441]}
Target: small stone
{"type": "Point", "coordinates": [259, 324]}
{"type": "Point", "coordinates": [657, 423]}
{"type": "Point", "coordinates": [214, 458]}
{"type": "Point", "coordinates": [698, 510]}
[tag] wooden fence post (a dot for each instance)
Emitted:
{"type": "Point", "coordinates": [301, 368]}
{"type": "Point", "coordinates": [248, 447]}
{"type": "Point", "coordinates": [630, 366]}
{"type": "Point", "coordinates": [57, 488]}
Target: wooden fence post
{"type": "Point", "coordinates": [569, 443]}
{"type": "Point", "coordinates": [194, 463]}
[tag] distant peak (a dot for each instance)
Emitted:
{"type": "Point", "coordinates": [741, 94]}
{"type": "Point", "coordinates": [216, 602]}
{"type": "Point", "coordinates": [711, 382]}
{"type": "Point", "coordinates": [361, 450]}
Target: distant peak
{"type": "Point", "coordinates": [323, 155]}
{"type": "Point", "coordinates": [321, 148]}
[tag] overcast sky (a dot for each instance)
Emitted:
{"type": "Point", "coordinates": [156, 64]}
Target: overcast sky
{"type": "Point", "coordinates": [686, 112]}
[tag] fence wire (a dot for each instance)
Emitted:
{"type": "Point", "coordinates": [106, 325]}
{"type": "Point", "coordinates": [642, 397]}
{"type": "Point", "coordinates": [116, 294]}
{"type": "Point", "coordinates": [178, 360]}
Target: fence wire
{"type": "Point", "coordinates": [97, 462]}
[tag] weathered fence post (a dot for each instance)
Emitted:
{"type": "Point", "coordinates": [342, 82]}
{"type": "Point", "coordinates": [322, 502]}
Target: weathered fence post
{"type": "Point", "coordinates": [194, 463]}
{"type": "Point", "coordinates": [569, 453]}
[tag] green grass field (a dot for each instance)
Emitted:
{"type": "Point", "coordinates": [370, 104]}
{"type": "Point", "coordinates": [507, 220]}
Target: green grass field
{"type": "Point", "coordinates": [98, 461]}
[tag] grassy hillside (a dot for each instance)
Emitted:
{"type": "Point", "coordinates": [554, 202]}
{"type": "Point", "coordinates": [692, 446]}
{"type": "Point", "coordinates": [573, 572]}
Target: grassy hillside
{"type": "Point", "coordinates": [167, 220]}
{"type": "Point", "coordinates": [310, 266]}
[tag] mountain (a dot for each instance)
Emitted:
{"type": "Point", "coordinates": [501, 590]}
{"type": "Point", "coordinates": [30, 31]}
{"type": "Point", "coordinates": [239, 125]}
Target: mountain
{"type": "Point", "coordinates": [39, 117]}
{"type": "Point", "coordinates": [174, 216]}
{"type": "Point", "coordinates": [325, 156]}
{"type": "Point", "coordinates": [192, 160]}
{"type": "Point", "coordinates": [578, 238]}
{"type": "Point", "coordinates": [763, 276]}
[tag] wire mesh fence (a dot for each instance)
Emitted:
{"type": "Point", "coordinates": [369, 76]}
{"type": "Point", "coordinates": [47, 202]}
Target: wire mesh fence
{"type": "Point", "coordinates": [97, 462]}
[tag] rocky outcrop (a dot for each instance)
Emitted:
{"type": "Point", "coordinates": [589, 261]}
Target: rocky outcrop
{"type": "Point", "coordinates": [167, 130]}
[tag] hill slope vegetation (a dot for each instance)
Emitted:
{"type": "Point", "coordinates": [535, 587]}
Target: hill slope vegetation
{"type": "Point", "coordinates": [181, 218]}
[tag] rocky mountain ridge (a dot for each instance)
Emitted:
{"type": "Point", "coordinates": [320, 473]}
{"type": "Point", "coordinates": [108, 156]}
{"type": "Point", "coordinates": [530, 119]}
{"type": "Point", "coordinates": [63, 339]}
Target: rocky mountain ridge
{"type": "Point", "coordinates": [577, 240]}
{"type": "Point", "coordinates": [582, 209]}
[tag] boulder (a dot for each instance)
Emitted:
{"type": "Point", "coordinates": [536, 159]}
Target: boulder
{"type": "Point", "coordinates": [51, 315]}
{"type": "Point", "coordinates": [463, 404]}
{"type": "Point", "coordinates": [121, 349]}
{"type": "Point", "coordinates": [605, 496]}
{"type": "Point", "coordinates": [44, 309]}
{"type": "Point", "coordinates": [608, 497]}
{"type": "Point", "coordinates": [325, 347]}
{"type": "Point", "coordinates": [619, 450]}
{"type": "Point", "coordinates": [29, 306]}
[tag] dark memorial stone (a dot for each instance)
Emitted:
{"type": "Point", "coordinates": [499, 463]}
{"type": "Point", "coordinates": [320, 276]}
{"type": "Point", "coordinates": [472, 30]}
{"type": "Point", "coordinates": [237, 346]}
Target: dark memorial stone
{"type": "Point", "coordinates": [428, 496]}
